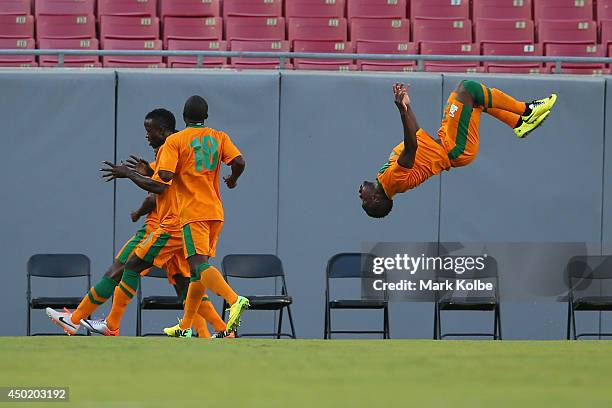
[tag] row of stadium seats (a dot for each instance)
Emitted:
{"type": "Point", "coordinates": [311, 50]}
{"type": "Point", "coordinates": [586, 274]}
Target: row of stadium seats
{"type": "Point", "coordinates": [247, 32]}
{"type": "Point", "coordinates": [451, 9]}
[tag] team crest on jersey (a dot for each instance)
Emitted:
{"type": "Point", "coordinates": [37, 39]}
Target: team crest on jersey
{"type": "Point", "coordinates": [453, 108]}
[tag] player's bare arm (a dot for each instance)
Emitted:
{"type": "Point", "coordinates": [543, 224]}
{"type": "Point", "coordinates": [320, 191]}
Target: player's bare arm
{"type": "Point", "coordinates": [237, 165]}
{"type": "Point", "coordinates": [409, 122]}
{"type": "Point", "coordinates": [115, 171]}
{"type": "Point", "coordinates": [148, 205]}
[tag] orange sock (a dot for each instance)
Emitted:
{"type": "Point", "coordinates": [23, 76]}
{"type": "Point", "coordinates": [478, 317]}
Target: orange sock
{"type": "Point", "coordinates": [212, 278]}
{"type": "Point", "coordinates": [509, 118]}
{"type": "Point", "coordinates": [96, 296]}
{"type": "Point", "coordinates": [124, 292]}
{"type": "Point", "coordinates": [192, 303]}
{"type": "Point", "coordinates": [200, 325]}
{"type": "Point", "coordinates": [208, 312]}
{"type": "Point", "coordinates": [494, 98]}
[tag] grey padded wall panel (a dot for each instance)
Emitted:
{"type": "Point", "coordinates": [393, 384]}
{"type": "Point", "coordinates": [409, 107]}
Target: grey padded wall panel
{"type": "Point", "coordinates": [245, 105]}
{"type": "Point", "coordinates": [546, 188]}
{"type": "Point", "coordinates": [336, 131]}
{"type": "Point", "coordinates": [58, 127]}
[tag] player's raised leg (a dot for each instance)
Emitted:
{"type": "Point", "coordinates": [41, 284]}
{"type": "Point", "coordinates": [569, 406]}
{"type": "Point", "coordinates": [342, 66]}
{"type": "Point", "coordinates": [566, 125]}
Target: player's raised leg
{"type": "Point", "coordinates": [523, 117]}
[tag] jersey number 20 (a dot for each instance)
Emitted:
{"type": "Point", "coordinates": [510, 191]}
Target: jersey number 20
{"type": "Point", "coordinates": [206, 151]}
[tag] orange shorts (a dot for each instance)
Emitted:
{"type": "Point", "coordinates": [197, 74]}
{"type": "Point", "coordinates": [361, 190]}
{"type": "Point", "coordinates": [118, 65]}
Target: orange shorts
{"type": "Point", "coordinates": [201, 237]}
{"type": "Point", "coordinates": [160, 246]}
{"type": "Point", "coordinates": [128, 248]}
{"type": "Point", "coordinates": [459, 131]}
{"type": "Point", "coordinates": [177, 265]}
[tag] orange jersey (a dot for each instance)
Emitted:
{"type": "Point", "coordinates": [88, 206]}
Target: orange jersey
{"type": "Point", "coordinates": [431, 159]}
{"type": "Point", "coordinates": [166, 205]}
{"type": "Point", "coordinates": [194, 155]}
{"type": "Point", "coordinates": [152, 217]}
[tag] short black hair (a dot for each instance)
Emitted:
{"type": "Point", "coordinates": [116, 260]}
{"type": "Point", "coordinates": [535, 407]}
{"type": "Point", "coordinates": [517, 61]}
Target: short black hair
{"type": "Point", "coordinates": [379, 208]}
{"type": "Point", "coordinates": [195, 110]}
{"type": "Point", "coordinates": [163, 117]}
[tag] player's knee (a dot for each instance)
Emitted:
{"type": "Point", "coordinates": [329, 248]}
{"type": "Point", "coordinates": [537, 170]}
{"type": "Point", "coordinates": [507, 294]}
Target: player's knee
{"type": "Point", "coordinates": [472, 91]}
{"type": "Point", "coordinates": [136, 264]}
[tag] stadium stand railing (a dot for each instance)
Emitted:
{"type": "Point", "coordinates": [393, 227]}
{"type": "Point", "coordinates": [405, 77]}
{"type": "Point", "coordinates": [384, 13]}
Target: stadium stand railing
{"type": "Point", "coordinates": [449, 27]}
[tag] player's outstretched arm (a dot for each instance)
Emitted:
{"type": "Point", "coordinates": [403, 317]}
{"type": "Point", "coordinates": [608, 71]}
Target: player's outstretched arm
{"type": "Point", "coordinates": [409, 122]}
{"type": "Point", "coordinates": [148, 205]}
{"type": "Point", "coordinates": [237, 165]}
{"type": "Point", "coordinates": [113, 172]}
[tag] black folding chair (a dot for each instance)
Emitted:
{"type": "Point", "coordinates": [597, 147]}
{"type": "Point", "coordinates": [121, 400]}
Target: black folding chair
{"type": "Point", "coordinates": [55, 266]}
{"type": "Point", "coordinates": [351, 266]}
{"type": "Point", "coordinates": [449, 300]}
{"type": "Point", "coordinates": [154, 302]}
{"type": "Point", "coordinates": [584, 272]}
{"type": "Point", "coordinates": [259, 267]}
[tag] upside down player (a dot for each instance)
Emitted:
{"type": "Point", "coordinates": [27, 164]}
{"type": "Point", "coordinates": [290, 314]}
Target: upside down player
{"type": "Point", "coordinates": [420, 156]}
{"type": "Point", "coordinates": [187, 171]}
{"type": "Point", "coordinates": [158, 124]}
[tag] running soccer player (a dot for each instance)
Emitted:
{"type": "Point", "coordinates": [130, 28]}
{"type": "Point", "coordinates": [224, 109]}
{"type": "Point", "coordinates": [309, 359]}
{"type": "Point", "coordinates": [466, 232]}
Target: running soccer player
{"type": "Point", "coordinates": [158, 124]}
{"type": "Point", "coordinates": [194, 156]}
{"type": "Point", "coordinates": [190, 165]}
{"type": "Point", "coordinates": [420, 156]}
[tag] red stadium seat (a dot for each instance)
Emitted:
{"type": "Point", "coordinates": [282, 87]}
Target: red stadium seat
{"type": "Point", "coordinates": [503, 9]}
{"type": "Point", "coordinates": [255, 28]}
{"type": "Point", "coordinates": [582, 71]}
{"type": "Point", "coordinates": [18, 64]}
{"type": "Point", "coordinates": [604, 10]}
{"type": "Point", "coordinates": [69, 44]}
{"type": "Point", "coordinates": [314, 8]}
{"type": "Point", "coordinates": [260, 8]}
{"type": "Point", "coordinates": [127, 8]}
{"type": "Point", "coordinates": [321, 66]}
{"type": "Point", "coordinates": [376, 8]}
{"type": "Point", "coordinates": [578, 10]}
{"type": "Point", "coordinates": [129, 27]}
{"type": "Point", "coordinates": [16, 26]}
{"type": "Point", "coordinates": [570, 32]}
{"type": "Point", "coordinates": [386, 47]}
{"type": "Point", "coordinates": [380, 29]}
{"type": "Point", "coordinates": [190, 8]}
{"type": "Point", "coordinates": [260, 46]}
{"type": "Point", "coordinates": [64, 7]}
{"type": "Point", "coordinates": [193, 28]}
{"type": "Point", "coordinates": [339, 47]}
{"type": "Point", "coordinates": [65, 26]}
{"type": "Point", "coordinates": [18, 44]}
{"type": "Point", "coordinates": [442, 31]}
{"type": "Point", "coordinates": [606, 32]}
{"type": "Point", "coordinates": [504, 31]}
{"type": "Point", "coordinates": [447, 48]}
{"type": "Point", "coordinates": [447, 9]}
{"type": "Point", "coordinates": [191, 45]}
{"type": "Point", "coordinates": [317, 29]}
{"type": "Point", "coordinates": [513, 49]}
{"type": "Point", "coordinates": [15, 7]}
{"type": "Point", "coordinates": [132, 61]}
{"type": "Point", "coordinates": [576, 50]}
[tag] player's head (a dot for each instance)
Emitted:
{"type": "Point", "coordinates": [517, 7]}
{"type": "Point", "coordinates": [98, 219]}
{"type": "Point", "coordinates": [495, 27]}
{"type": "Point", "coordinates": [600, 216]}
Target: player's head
{"type": "Point", "coordinates": [159, 124]}
{"type": "Point", "coordinates": [195, 110]}
{"type": "Point", "coordinates": [374, 201]}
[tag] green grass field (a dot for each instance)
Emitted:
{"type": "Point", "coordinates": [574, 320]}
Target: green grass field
{"type": "Point", "coordinates": [162, 372]}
